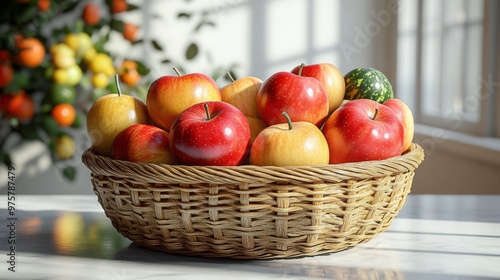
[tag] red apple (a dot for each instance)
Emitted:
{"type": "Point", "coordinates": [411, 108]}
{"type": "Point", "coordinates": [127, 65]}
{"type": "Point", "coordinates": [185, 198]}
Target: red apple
{"type": "Point", "coordinates": [168, 96]}
{"type": "Point", "coordinates": [142, 143]}
{"type": "Point", "coordinates": [362, 130]}
{"type": "Point", "coordinates": [404, 114]}
{"type": "Point", "coordinates": [242, 93]}
{"type": "Point", "coordinates": [303, 98]}
{"type": "Point", "coordinates": [289, 144]}
{"type": "Point", "coordinates": [330, 78]}
{"type": "Point", "coordinates": [210, 133]}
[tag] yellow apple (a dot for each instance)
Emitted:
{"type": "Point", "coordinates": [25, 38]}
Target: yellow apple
{"type": "Point", "coordinates": [111, 114]}
{"type": "Point", "coordinates": [242, 93]}
{"type": "Point", "coordinates": [290, 144]}
{"type": "Point", "coordinates": [405, 115]}
{"type": "Point", "coordinates": [256, 126]}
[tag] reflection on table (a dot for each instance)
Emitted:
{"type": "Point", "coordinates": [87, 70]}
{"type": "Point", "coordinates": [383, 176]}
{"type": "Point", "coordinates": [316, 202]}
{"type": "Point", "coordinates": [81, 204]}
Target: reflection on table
{"type": "Point", "coordinates": [69, 237]}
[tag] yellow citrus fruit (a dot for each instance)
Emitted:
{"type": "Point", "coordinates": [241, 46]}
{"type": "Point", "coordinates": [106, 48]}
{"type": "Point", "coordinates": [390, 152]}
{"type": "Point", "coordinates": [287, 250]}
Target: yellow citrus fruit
{"type": "Point", "coordinates": [60, 76]}
{"type": "Point", "coordinates": [61, 48]}
{"type": "Point", "coordinates": [74, 75]}
{"type": "Point", "coordinates": [89, 55]}
{"type": "Point", "coordinates": [72, 41]}
{"type": "Point", "coordinates": [100, 80]}
{"type": "Point", "coordinates": [101, 63]}
{"type": "Point", "coordinates": [78, 42]}
{"type": "Point", "coordinates": [65, 147]}
{"type": "Point", "coordinates": [61, 60]}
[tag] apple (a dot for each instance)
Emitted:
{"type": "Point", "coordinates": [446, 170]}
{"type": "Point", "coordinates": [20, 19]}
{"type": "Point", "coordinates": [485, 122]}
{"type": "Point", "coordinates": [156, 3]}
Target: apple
{"type": "Point", "coordinates": [256, 126]}
{"type": "Point", "coordinates": [242, 93]}
{"type": "Point", "coordinates": [210, 133]}
{"type": "Point", "coordinates": [290, 144]}
{"type": "Point", "coordinates": [303, 98]}
{"type": "Point", "coordinates": [363, 130]}
{"type": "Point", "coordinates": [168, 96]}
{"type": "Point", "coordinates": [405, 115]}
{"type": "Point", "coordinates": [109, 115]}
{"type": "Point", "coordinates": [142, 143]}
{"type": "Point", "coordinates": [330, 78]}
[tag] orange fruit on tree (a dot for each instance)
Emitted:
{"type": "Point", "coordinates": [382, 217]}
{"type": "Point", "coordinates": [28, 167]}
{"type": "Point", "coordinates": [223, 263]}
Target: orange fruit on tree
{"type": "Point", "coordinates": [20, 106]}
{"type": "Point", "coordinates": [64, 114]}
{"type": "Point", "coordinates": [31, 52]}
{"type": "Point", "coordinates": [118, 6]}
{"type": "Point", "coordinates": [130, 31]}
{"type": "Point", "coordinates": [43, 5]}
{"type": "Point", "coordinates": [128, 73]}
{"type": "Point", "coordinates": [6, 74]}
{"type": "Point", "coordinates": [91, 13]}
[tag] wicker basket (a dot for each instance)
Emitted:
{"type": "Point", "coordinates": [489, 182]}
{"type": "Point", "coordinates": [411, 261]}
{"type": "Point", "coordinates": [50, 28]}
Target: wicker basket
{"type": "Point", "coordinates": [251, 212]}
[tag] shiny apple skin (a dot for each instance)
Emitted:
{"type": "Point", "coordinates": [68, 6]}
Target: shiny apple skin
{"type": "Point", "coordinates": [168, 96]}
{"type": "Point", "coordinates": [142, 143]}
{"type": "Point", "coordinates": [222, 140]}
{"type": "Point", "coordinates": [303, 98]}
{"type": "Point", "coordinates": [406, 116]}
{"type": "Point", "coordinates": [242, 94]}
{"type": "Point", "coordinates": [111, 114]}
{"type": "Point", "coordinates": [330, 78]}
{"type": "Point", "coordinates": [353, 135]}
{"type": "Point", "coordinates": [277, 145]}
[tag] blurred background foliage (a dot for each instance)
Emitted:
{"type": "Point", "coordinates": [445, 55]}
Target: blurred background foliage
{"type": "Point", "coordinates": [55, 62]}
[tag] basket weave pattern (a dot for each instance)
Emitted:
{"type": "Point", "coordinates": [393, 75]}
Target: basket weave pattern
{"type": "Point", "coordinates": [252, 212]}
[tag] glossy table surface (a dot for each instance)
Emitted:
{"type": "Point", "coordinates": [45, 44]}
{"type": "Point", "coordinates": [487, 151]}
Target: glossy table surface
{"type": "Point", "coordinates": [69, 237]}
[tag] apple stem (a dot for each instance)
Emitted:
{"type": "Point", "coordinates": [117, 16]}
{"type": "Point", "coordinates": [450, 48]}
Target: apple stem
{"type": "Point", "coordinates": [230, 76]}
{"type": "Point", "coordinates": [205, 105]}
{"type": "Point", "coordinates": [117, 82]}
{"type": "Point", "coordinates": [300, 69]}
{"type": "Point", "coordinates": [375, 115]}
{"type": "Point", "coordinates": [288, 120]}
{"type": "Point", "coordinates": [177, 71]}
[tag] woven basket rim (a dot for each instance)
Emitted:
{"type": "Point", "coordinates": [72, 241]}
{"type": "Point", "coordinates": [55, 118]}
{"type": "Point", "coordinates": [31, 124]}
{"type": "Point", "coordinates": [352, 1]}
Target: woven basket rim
{"type": "Point", "coordinates": [186, 174]}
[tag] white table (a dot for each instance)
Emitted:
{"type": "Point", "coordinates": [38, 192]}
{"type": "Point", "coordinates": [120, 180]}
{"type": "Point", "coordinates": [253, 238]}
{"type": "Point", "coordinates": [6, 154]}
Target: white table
{"type": "Point", "coordinates": [434, 237]}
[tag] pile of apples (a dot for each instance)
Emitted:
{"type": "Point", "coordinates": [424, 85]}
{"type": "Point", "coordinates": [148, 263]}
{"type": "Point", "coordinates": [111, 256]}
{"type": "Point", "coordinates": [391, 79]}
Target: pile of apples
{"type": "Point", "coordinates": [291, 118]}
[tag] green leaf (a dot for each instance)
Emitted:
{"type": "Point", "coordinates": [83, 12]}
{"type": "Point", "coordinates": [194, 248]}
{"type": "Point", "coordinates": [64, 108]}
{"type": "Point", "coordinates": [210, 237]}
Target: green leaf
{"type": "Point", "coordinates": [29, 132]}
{"type": "Point", "coordinates": [69, 172]}
{"type": "Point", "coordinates": [192, 51]}
{"type": "Point", "coordinates": [66, 6]}
{"type": "Point", "coordinates": [50, 126]}
{"type": "Point", "coordinates": [217, 72]}
{"type": "Point", "coordinates": [132, 7]}
{"type": "Point", "coordinates": [184, 15]}
{"type": "Point", "coordinates": [142, 69]}
{"type": "Point", "coordinates": [156, 45]}
{"type": "Point", "coordinates": [19, 81]}
{"type": "Point", "coordinates": [99, 45]}
{"type": "Point", "coordinates": [5, 158]}
{"type": "Point", "coordinates": [79, 25]}
{"type": "Point", "coordinates": [117, 25]}
{"type": "Point", "coordinates": [137, 42]}
{"type": "Point", "coordinates": [203, 23]}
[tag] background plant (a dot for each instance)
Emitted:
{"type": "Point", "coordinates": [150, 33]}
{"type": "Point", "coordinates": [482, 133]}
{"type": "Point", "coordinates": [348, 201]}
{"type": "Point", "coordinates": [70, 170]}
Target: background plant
{"type": "Point", "coordinates": [55, 61]}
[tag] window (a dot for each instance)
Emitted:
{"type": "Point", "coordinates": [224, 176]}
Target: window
{"type": "Point", "coordinates": [448, 65]}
